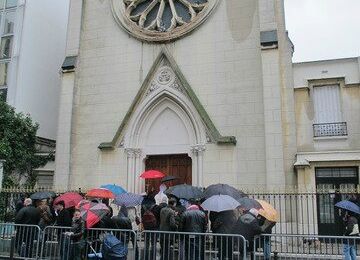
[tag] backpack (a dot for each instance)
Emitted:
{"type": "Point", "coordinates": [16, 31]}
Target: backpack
{"type": "Point", "coordinates": [113, 248]}
{"type": "Point", "coordinates": [149, 220]}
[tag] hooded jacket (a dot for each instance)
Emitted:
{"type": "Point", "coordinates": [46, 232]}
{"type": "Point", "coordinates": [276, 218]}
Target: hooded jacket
{"type": "Point", "coordinates": [247, 226]}
{"type": "Point", "coordinates": [167, 219]}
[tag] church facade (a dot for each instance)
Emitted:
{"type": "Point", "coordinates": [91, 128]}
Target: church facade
{"type": "Point", "coordinates": [201, 90]}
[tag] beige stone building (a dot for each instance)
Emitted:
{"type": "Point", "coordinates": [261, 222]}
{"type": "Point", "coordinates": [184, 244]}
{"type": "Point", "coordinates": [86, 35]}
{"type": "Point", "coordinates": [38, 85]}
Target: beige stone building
{"type": "Point", "coordinates": [327, 105]}
{"type": "Point", "coordinates": [202, 90]}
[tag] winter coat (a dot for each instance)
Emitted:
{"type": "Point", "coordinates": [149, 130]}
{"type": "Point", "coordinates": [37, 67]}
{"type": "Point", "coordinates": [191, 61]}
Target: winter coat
{"type": "Point", "coordinates": [106, 222]}
{"type": "Point", "coordinates": [125, 224]}
{"type": "Point", "coordinates": [247, 226]}
{"type": "Point", "coordinates": [167, 219]}
{"type": "Point", "coordinates": [352, 227]}
{"type": "Point", "coordinates": [121, 222]}
{"type": "Point", "coordinates": [63, 219]}
{"type": "Point", "coordinates": [223, 222]}
{"type": "Point", "coordinates": [78, 229]}
{"type": "Point", "coordinates": [46, 217]}
{"type": "Point", "coordinates": [28, 215]}
{"type": "Point", "coordinates": [156, 210]}
{"type": "Point", "coordinates": [193, 221]}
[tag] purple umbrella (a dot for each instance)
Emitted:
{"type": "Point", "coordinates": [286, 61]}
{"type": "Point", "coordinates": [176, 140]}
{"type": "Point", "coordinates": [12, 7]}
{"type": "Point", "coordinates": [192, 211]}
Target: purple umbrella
{"type": "Point", "coordinates": [128, 200]}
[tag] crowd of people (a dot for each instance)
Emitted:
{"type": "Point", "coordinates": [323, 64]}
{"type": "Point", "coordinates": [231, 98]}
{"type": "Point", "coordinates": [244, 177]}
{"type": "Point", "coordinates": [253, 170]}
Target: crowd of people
{"type": "Point", "coordinates": [165, 214]}
{"type": "Point", "coordinates": [163, 218]}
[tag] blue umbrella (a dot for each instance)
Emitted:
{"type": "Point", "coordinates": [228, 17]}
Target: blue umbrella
{"type": "Point", "coordinates": [128, 200]}
{"type": "Point", "coordinates": [348, 205]}
{"type": "Point", "coordinates": [117, 190]}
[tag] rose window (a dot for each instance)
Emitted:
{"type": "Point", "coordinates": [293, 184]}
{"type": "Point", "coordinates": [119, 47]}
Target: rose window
{"type": "Point", "coordinates": [161, 20]}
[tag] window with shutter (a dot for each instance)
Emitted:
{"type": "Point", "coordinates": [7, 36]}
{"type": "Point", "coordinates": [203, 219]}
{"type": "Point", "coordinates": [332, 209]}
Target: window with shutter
{"type": "Point", "coordinates": [327, 107]}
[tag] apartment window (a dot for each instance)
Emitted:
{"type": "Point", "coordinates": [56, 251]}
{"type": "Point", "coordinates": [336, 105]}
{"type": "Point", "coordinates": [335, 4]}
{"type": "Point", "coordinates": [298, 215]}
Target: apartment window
{"type": "Point", "coordinates": [327, 108]}
{"type": "Point", "coordinates": [7, 25]}
{"type": "Point", "coordinates": [11, 3]}
{"type": "Point", "coordinates": [3, 73]}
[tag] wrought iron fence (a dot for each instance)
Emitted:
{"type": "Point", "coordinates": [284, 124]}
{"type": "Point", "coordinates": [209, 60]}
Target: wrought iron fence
{"type": "Point", "coordinates": [299, 212]}
{"type": "Point", "coordinates": [330, 129]}
{"type": "Point", "coordinates": [286, 246]}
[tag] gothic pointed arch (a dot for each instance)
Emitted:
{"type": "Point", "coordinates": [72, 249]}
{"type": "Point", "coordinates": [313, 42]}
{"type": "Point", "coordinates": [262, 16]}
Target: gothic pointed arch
{"type": "Point", "coordinates": [165, 87]}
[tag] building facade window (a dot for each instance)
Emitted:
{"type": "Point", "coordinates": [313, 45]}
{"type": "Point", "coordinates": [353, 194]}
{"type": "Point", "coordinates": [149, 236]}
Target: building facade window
{"type": "Point", "coordinates": [7, 24]}
{"type": "Point", "coordinates": [327, 107]}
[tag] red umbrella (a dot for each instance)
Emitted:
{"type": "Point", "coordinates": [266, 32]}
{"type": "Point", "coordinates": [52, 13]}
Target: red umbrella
{"type": "Point", "coordinates": [152, 174]}
{"type": "Point", "coordinates": [92, 212]}
{"type": "Point", "coordinates": [100, 193]}
{"type": "Point", "coordinates": [71, 199]}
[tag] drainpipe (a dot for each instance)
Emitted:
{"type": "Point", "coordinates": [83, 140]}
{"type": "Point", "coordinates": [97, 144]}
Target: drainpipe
{"type": "Point", "coordinates": [1, 172]}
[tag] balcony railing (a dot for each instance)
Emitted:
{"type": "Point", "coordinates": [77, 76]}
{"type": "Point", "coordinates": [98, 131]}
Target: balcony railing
{"type": "Point", "coordinates": [330, 129]}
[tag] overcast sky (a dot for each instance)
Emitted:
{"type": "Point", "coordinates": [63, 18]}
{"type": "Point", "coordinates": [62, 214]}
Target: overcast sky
{"type": "Point", "coordinates": [323, 29]}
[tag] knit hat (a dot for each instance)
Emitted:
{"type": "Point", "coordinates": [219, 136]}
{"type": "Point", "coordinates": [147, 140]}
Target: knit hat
{"type": "Point", "coordinates": [193, 207]}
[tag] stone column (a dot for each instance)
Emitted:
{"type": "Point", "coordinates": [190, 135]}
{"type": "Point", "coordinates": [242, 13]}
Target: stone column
{"type": "Point", "coordinates": [198, 150]}
{"type": "Point", "coordinates": [133, 168]}
{"type": "Point", "coordinates": [1, 172]}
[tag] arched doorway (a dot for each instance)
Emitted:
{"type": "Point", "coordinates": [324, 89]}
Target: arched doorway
{"type": "Point", "coordinates": [177, 165]}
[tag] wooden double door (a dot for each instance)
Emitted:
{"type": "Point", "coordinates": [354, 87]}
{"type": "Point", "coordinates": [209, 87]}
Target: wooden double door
{"type": "Point", "coordinates": [177, 165]}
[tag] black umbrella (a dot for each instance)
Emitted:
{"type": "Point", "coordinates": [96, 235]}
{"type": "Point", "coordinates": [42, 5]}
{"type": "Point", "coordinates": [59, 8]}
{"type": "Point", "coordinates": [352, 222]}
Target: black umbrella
{"type": "Point", "coordinates": [184, 191]}
{"type": "Point", "coordinates": [168, 178]}
{"type": "Point", "coordinates": [40, 195]}
{"type": "Point", "coordinates": [247, 204]}
{"type": "Point", "coordinates": [223, 189]}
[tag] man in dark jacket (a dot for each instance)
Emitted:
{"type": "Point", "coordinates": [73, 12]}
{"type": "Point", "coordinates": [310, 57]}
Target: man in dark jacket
{"type": "Point", "coordinates": [248, 226]}
{"type": "Point", "coordinates": [193, 220]}
{"type": "Point", "coordinates": [63, 221]}
{"type": "Point", "coordinates": [223, 223]}
{"type": "Point", "coordinates": [25, 235]}
{"type": "Point", "coordinates": [167, 223]}
{"type": "Point", "coordinates": [63, 218]}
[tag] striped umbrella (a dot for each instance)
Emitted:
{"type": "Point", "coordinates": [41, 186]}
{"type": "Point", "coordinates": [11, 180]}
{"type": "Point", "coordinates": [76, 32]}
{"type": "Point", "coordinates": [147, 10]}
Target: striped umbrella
{"type": "Point", "coordinates": [128, 200]}
{"type": "Point", "coordinates": [92, 212]}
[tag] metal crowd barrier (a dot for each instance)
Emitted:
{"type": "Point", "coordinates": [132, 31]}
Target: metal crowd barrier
{"type": "Point", "coordinates": [191, 246]}
{"type": "Point", "coordinates": [19, 241]}
{"type": "Point", "coordinates": [286, 246]}
{"type": "Point", "coordinates": [55, 243]}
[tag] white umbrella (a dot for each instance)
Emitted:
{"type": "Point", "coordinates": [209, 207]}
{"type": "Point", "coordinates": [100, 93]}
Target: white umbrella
{"type": "Point", "coordinates": [220, 203]}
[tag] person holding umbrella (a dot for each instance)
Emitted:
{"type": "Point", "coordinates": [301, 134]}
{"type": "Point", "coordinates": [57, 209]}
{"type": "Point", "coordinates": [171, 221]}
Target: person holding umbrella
{"type": "Point", "coordinates": [351, 227]}
{"type": "Point", "coordinates": [267, 218]}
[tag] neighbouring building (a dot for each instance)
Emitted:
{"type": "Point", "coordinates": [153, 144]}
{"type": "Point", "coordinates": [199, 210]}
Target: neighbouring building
{"type": "Point", "coordinates": [33, 37]}
{"type": "Point", "coordinates": [202, 90]}
{"type": "Point", "coordinates": [327, 105]}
